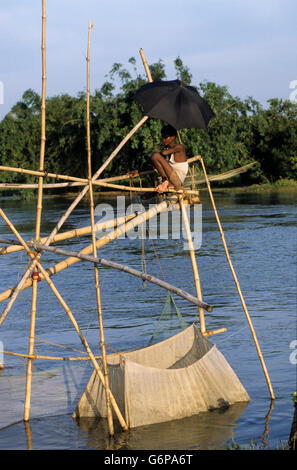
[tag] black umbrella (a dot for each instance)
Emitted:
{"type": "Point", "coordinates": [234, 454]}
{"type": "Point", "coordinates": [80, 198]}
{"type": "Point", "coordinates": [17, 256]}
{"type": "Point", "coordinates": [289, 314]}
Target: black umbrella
{"type": "Point", "coordinates": [173, 102]}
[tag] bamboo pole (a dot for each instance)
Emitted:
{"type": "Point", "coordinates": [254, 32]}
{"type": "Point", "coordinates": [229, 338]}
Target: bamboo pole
{"type": "Point", "coordinates": [44, 174]}
{"type": "Point", "coordinates": [38, 220]}
{"type": "Point", "coordinates": [187, 226]}
{"type": "Point", "coordinates": [25, 282]}
{"type": "Point", "coordinates": [35, 357]}
{"type": "Point", "coordinates": [75, 257]}
{"type": "Point", "coordinates": [237, 283]}
{"type": "Point", "coordinates": [145, 64]}
{"type": "Point", "coordinates": [97, 183]}
{"type": "Point", "coordinates": [96, 272]}
{"type": "Point", "coordinates": [194, 264]}
{"type": "Point", "coordinates": [78, 232]}
{"type": "Point", "coordinates": [141, 190]}
{"type": "Point", "coordinates": [70, 315]}
{"type": "Point", "coordinates": [75, 181]}
{"type": "Point", "coordinates": [13, 295]}
{"type": "Point", "coordinates": [111, 264]}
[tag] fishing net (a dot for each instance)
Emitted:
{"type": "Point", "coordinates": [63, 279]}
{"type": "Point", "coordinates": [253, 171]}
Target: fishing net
{"type": "Point", "coordinates": [178, 377]}
{"type": "Point", "coordinates": [170, 319]}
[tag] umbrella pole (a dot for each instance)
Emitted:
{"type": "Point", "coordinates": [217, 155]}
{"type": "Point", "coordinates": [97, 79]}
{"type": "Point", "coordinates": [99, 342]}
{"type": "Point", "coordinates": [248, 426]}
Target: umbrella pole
{"type": "Point", "coordinates": [96, 271]}
{"type": "Point", "coordinates": [237, 283]}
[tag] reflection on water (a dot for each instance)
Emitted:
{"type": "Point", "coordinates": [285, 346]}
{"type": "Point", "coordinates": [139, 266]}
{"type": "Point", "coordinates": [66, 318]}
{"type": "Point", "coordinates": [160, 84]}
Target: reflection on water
{"type": "Point", "coordinates": [260, 231]}
{"type": "Point", "coordinates": [208, 430]}
{"type": "Point", "coordinates": [204, 431]}
{"type": "Point", "coordinates": [213, 430]}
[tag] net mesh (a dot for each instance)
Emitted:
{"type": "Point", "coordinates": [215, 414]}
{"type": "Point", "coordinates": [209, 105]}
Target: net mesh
{"type": "Point", "coordinates": [170, 319]}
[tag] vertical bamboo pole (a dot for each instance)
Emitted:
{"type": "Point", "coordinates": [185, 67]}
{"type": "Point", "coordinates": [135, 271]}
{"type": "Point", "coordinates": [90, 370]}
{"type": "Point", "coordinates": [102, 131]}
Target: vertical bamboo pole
{"type": "Point", "coordinates": [187, 227]}
{"type": "Point", "coordinates": [193, 261]}
{"type": "Point", "coordinates": [237, 283]}
{"type": "Point", "coordinates": [96, 271]}
{"type": "Point", "coordinates": [38, 222]}
{"type": "Point", "coordinates": [71, 317]}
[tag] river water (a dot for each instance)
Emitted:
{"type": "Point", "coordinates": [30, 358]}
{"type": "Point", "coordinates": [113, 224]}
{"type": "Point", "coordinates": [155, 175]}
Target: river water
{"type": "Point", "coordinates": [260, 231]}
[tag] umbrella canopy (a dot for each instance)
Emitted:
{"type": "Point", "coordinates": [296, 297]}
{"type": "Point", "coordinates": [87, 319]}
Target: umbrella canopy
{"type": "Point", "coordinates": [177, 104]}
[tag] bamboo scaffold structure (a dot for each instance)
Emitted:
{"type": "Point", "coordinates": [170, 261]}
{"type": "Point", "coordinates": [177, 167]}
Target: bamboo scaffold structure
{"type": "Point", "coordinates": [114, 265]}
{"type": "Point", "coordinates": [194, 264]}
{"type": "Point", "coordinates": [74, 181]}
{"type": "Point", "coordinates": [72, 319]}
{"type": "Point", "coordinates": [186, 224]}
{"type": "Point", "coordinates": [121, 226]}
{"type": "Point", "coordinates": [250, 323]}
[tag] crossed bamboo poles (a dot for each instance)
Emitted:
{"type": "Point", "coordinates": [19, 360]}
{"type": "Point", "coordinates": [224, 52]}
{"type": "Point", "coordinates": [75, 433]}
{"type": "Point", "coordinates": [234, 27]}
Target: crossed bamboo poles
{"type": "Point", "coordinates": [36, 255]}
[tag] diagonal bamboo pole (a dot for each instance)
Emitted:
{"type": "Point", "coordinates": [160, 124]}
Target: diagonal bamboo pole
{"type": "Point", "coordinates": [38, 220]}
{"type": "Point", "coordinates": [77, 232]}
{"type": "Point", "coordinates": [44, 173]}
{"type": "Point", "coordinates": [96, 271]}
{"type": "Point", "coordinates": [145, 64]}
{"type": "Point", "coordinates": [100, 183]}
{"type": "Point", "coordinates": [101, 242]}
{"type": "Point", "coordinates": [237, 283]}
{"type": "Point", "coordinates": [75, 181]}
{"type": "Point", "coordinates": [70, 315]}
{"type": "Point", "coordinates": [120, 267]}
{"type": "Point", "coordinates": [13, 295]}
{"type": "Point", "coordinates": [25, 282]}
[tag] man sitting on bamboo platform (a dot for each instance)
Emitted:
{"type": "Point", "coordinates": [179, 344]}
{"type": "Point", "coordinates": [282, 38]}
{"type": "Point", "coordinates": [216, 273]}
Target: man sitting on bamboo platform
{"type": "Point", "coordinates": [171, 162]}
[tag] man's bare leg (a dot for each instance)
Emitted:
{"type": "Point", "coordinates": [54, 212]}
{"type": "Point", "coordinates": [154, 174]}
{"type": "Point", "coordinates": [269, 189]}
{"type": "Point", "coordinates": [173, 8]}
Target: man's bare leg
{"type": "Point", "coordinates": [164, 169]}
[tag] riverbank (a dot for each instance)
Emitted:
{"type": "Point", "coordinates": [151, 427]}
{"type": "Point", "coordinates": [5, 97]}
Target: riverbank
{"type": "Point", "coordinates": [281, 185]}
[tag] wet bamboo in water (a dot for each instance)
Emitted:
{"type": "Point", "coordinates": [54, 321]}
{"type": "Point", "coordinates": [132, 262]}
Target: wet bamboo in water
{"type": "Point", "coordinates": [38, 221]}
{"type": "Point", "coordinates": [72, 319]}
{"type": "Point", "coordinates": [237, 284]}
{"type": "Point", "coordinates": [96, 271]}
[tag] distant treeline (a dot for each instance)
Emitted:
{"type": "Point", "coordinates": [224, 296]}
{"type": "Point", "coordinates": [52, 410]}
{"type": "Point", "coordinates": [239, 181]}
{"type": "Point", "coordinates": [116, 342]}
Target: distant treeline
{"type": "Point", "coordinates": [241, 132]}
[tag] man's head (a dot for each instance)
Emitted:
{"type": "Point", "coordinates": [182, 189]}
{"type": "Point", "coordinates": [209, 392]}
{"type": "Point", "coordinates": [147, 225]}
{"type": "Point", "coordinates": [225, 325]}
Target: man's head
{"type": "Point", "coordinates": [168, 131]}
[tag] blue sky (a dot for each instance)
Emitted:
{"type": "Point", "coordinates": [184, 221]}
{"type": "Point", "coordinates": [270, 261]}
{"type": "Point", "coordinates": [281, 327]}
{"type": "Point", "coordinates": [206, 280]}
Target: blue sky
{"type": "Point", "coordinates": [247, 45]}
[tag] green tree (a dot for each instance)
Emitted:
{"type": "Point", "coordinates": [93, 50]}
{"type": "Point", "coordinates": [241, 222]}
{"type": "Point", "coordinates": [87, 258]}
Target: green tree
{"type": "Point", "coordinates": [242, 130]}
{"type": "Point", "coordinates": [275, 140]}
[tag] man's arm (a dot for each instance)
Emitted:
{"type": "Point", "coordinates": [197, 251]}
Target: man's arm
{"type": "Point", "coordinates": [178, 151]}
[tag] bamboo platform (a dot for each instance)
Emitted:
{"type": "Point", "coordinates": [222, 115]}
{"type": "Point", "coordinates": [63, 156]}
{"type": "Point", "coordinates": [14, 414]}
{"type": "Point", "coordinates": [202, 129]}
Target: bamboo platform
{"type": "Point", "coordinates": [35, 248]}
